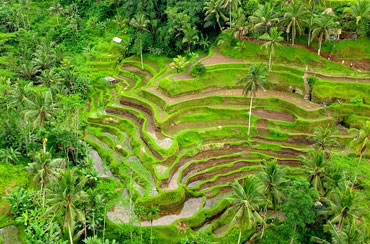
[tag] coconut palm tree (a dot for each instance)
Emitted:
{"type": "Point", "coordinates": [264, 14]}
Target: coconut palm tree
{"type": "Point", "coordinates": [190, 37]}
{"type": "Point", "coordinates": [361, 142]}
{"type": "Point", "coordinates": [313, 4]}
{"type": "Point", "coordinates": [323, 138]}
{"type": "Point", "coordinates": [56, 9]}
{"type": "Point", "coordinates": [246, 200]}
{"type": "Point", "coordinates": [272, 41]}
{"type": "Point", "coordinates": [66, 196]}
{"type": "Point", "coordinates": [214, 8]}
{"type": "Point", "coordinates": [240, 27]}
{"type": "Point", "coordinates": [43, 168]}
{"type": "Point", "coordinates": [28, 70]}
{"type": "Point", "coordinates": [294, 19]}
{"type": "Point", "coordinates": [20, 92]}
{"type": "Point", "coordinates": [39, 108]}
{"type": "Point", "coordinates": [324, 25]}
{"type": "Point", "coordinates": [140, 23]}
{"type": "Point", "coordinates": [344, 204]}
{"type": "Point", "coordinates": [153, 214]}
{"type": "Point", "coordinates": [272, 177]}
{"type": "Point", "coordinates": [44, 59]}
{"type": "Point", "coordinates": [360, 10]}
{"type": "Point", "coordinates": [49, 77]}
{"type": "Point", "coordinates": [255, 80]}
{"type": "Point", "coordinates": [231, 4]}
{"type": "Point", "coordinates": [263, 18]}
{"type": "Point", "coordinates": [315, 167]}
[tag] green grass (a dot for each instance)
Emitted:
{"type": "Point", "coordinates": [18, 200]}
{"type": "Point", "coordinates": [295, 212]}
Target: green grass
{"type": "Point", "coordinates": [349, 49]}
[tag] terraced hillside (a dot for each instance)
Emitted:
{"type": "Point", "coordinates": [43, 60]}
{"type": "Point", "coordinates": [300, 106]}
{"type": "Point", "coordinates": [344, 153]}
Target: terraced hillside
{"type": "Point", "coordinates": [177, 142]}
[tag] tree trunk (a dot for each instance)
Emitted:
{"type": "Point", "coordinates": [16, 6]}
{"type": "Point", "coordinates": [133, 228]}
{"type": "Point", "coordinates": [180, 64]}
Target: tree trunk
{"type": "Point", "coordinates": [240, 235]}
{"type": "Point", "coordinates": [70, 234]}
{"type": "Point", "coordinates": [230, 17]}
{"type": "Point", "coordinates": [141, 51]}
{"type": "Point", "coordinates": [320, 41]}
{"type": "Point", "coordinates": [250, 116]}
{"type": "Point", "coordinates": [292, 239]}
{"type": "Point", "coordinates": [270, 59]}
{"type": "Point", "coordinates": [43, 195]}
{"type": "Point", "coordinates": [219, 25]}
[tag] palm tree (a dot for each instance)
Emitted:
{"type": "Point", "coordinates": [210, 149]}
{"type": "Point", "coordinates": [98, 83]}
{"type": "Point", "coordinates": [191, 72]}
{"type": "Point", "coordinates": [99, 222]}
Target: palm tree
{"type": "Point", "coordinates": [255, 80]}
{"type": "Point", "coordinates": [9, 155]}
{"type": "Point", "coordinates": [39, 108]}
{"type": "Point", "coordinates": [361, 142]}
{"type": "Point", "coordinates": [315, 167]}
{"type": "Point", "coordinates": [65, 196]}
{"type": "Point", "coordinates": [56, 9]}
{"type": "Point", "coordinates": [272, 41]}
{"type": "Point", "coordinates": [323, 138]}
{"type": "Point", "coordinates": [294, 19]}
{"type": "Point", "coordinates": [153, 214]}
{"type": "Point", "coordinates": [43, 168]}
{"type": "Point", "coordinates": [313, 2]}
{"type": "Point", "coordinates": [263, 18]}
{"type": "Point", "coordinates": [179, 63]}
{"type": "Point", "coordinates": [324, 25]}
{"type": "Point", "coordinates": [344, 204]}
{"type": "Point", "coordinates": [190, 37]}
{"type": "Point", "coordinates": [360, 10]}
{"type": "Point", "coordinates": [232, 4]}
{"type": "Point", "coordinates": [140, 23]}
{"type": "Point", "coordinates": [28, 70]}
{"type": "Point", "coordinates": [49, 77]}
{"type": "Point", "coordinates": [19, 94]}
{"type": "Point", "coordinates": [44, 59]}
{"type": "Point", "coordinates": [272, 177]}
{"type": "Point", "coordinates": [215, 8]}
{"type": "Point", "coordinates": [245, 202]}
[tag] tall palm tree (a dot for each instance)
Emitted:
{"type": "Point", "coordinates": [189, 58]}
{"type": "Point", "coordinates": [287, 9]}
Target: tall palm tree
{"type": "Point", "coordinates": [153, 214]}
{"type": "Point", "coordinates": [255, 80]}
{"type": "Point", "coordinates": [140, 23]}
{"type": "Point", "coordinates": [19, 94]}
{"type": "Point", "coordinates": [315, 167]}
{"type": "Point", "coordinates": [240, 27]}
{"type": "Point", "coordinates": [272, 177]}
{"type": "Point", "coordinates": [190, 37]}
{"type": "Point", "coordinates": [231, 4]}
{"type": "Point", "coordinates": [361, 142]}
{"type": "Point", "coordinates": [56, 9]}
{"type": "Point", "coordinates": [344, 204]}
{"type": "Point", "coordinates": [49, 77]}
{"type": "Point", "coordinates": [313, 4]}
{"type": "Point", "coordinates": [323, 138]}
{"type": "Point", "coordinates": [294, 20]}
{"type": "Point", "coordinates": [272, 41]}
{"type": "Point", "coordinates": [215, 8]}
{"type": "Point", "coordinates": [324, 25]}
{"type": "Point", "coordinates": [246, 200]}
{"type": "Point", "coordinates": [43, 168]}
{"type": "Point", "coordinates": [39, 108]}
{"type": "Point", "coordinates": [66, 196]}
{"type": "Point", "coordinates": [263, 18]}
{"type": "Point", "coordinates": [360, 10]}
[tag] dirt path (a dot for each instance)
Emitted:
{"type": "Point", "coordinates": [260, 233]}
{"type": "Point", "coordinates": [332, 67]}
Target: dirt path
{"type": "Point", "coordinates": [236, 92]}
{"type": "Point", "coordinates": [274, 115]}
{"type": "Point", "coordinates": [218, 58]}
{"type": "Point", "coordinates": [339, 78]}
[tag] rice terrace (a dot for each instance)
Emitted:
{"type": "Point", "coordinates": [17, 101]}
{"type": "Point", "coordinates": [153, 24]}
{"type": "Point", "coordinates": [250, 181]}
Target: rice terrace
{"type": "Point", "coordinates": [184, 122]}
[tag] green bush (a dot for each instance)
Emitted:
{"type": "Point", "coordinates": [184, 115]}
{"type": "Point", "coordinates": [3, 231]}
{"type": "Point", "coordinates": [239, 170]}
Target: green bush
{"type": "Point", "coordinates": [198, 70]}
{"type": "Point", "coordinates": [357, 100]}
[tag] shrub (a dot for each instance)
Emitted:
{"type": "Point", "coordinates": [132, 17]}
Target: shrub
{"type": "Point", "coordinates": [198, 70]}
{"type": "Point", "coordinates": [311, 81]}
{"type": "Point", "coordinates": [357, 100]}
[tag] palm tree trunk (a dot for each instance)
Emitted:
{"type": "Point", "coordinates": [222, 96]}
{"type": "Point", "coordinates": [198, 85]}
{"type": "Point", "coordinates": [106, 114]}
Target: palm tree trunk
{"type": "Point", "coordinates": [292, 239]}
{"type": "Point", "coordinates": [141, 51]}
{"type": "Point", "coordinates": [240, 235]}
{"type": "Point", "coordinates": [219, 25]}
{"type": "Point", "coordinates": [250, 116]}
{"type": "Point", "coordinates": [70, 234]}
{"type": "Point", "coordinates": [270, 59]}
{"type": "Point", "coordinates": [320, 41]}
{"type": "Point", "coordinates": [57, 19]}
{"type": "Point", "coordinates": [43, 195]}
